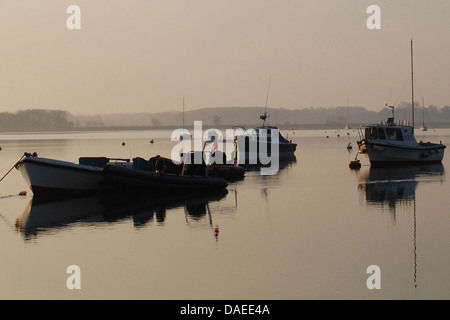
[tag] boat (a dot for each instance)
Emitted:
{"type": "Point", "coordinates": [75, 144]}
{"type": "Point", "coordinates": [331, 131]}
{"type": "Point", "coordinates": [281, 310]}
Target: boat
{"type": "Point", "coordinates": [218, 164]}
{"type": "Point", "coordinates": [391, 143]}
{"type": "Point", "coordinates": [52, 178]}
{"type": "Point", "coordinates": [57, 178]}
{"type": "Point", "coordinates": [221, 168]}
{"type": "Point", "coordinates": [150, 176]}
{"type": "Point", "coordinates": [252, 143]}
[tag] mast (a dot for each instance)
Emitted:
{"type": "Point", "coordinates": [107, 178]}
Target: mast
{"type": "Point", "coordinates": [423, 112]}
{"type": "Point", "coordinates": [412, 85]}
{"type": "Point", "coordinates": [265, 116]}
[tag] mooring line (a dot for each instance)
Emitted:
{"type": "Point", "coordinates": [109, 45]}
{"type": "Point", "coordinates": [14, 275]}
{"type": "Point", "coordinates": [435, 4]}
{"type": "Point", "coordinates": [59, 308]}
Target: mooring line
{"type": "Point", "coordinates": [13, 166]}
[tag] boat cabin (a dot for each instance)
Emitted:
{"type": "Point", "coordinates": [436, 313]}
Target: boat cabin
{"type": "Point", "coordinates": [267, 132]}
{"type": "Point", "coordinates": [390, 133]}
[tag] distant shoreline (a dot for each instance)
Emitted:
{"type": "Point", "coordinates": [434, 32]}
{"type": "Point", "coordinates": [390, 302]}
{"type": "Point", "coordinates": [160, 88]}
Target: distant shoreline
{"type": "Point", "coordinates": [43, 120]}
{"type": "Point", "coordinates": [339, 127]}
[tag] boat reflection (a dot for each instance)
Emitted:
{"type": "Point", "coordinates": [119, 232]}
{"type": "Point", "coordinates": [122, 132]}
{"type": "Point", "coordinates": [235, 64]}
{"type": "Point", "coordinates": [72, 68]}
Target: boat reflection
{"type": "Point", "coordinates": [49, 216]}
{"type": "Point", "coordinates": [396, 185]}
{"type": "Point", "coordinates": [283, 163]}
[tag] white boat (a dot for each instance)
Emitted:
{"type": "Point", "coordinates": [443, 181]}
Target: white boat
{"type": "Point", "coordinates": [393, 143]}
{"type": "Point", "coordinates": [260, 140]}
{"type": "Point", "coordinates": [51, 178]}
{"type": "Point", "coordinates": [54, 178]}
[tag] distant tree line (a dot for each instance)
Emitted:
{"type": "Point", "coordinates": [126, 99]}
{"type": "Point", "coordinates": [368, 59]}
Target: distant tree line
{"type": "Point", "coordinates": [227, 117]}
{"type": "Point", "coordinates": [35, 120]}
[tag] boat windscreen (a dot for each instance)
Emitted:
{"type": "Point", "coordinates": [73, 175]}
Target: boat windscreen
{"type": "Point", "coordinates": [394, 134]}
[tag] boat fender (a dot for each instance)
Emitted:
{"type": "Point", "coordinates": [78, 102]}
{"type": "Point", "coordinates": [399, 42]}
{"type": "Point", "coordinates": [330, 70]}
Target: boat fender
{"type": "Point", "coordinates": [160, 165]}
{"type": "Point", "coordinates": [355, 164]}
{"type": "Point", "coordinates": [28, 154]}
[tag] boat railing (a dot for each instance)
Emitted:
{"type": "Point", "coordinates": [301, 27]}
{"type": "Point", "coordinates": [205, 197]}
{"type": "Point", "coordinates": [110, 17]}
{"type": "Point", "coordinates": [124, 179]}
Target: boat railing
{"type": "Point", "coordinates": [391, 122]}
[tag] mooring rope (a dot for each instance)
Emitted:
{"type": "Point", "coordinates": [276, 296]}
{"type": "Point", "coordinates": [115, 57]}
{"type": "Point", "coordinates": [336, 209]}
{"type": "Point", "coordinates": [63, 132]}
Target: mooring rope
{"type": "Point", "coordinates": [25, 154]}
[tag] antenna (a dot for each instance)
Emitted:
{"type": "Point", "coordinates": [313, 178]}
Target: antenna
{"type": "Point", "coordinates": [265, 116]}
{"type": "Point", "coordinates": [268, 89]}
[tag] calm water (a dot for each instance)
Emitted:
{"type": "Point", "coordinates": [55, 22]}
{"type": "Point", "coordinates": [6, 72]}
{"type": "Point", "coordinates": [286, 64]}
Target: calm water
{"type": "Point", "coordinates": [309, 232]}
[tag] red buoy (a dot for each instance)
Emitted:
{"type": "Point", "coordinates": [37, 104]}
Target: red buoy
{"type": "Point", "coordinates": [355, 164]}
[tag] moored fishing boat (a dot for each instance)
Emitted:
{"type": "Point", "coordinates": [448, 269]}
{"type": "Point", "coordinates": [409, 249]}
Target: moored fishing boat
{"type": "Point", "coordinates": [393, 143]}
{"type": "Point", "coordinates": [51, 178]}
{"type": "Point", "coordinates": [54, 178]}
{"type": "Point", "coordinates": [259, 141]}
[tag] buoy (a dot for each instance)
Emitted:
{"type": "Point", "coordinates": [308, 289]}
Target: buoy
{"type": "Point", "coordinates": [355, 164]}
{"type": "Point", "coordinates": [216, 231]}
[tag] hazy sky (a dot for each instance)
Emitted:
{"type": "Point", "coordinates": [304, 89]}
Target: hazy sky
{"type": "Point", "coordinates": [145, 55]}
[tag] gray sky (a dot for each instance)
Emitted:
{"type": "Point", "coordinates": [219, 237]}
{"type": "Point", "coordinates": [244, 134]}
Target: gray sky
{"type": "Point", "coordinates": [145, 55]}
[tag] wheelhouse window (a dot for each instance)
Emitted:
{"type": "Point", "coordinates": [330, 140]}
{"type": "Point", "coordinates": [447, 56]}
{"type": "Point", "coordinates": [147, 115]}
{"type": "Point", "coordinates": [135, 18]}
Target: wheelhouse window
{"type": "Point", "coordinates": [371, 133]}
{"type": "Point", "coordinates": [381, 133]}
{"type": "Point", "coordinates": [394, 134]}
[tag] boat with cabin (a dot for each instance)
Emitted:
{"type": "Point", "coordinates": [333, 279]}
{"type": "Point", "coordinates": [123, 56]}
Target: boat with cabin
{"type": "Point", "coordinates": [252, 143]}
{"type": "Point", "coordinates": [392, 143]}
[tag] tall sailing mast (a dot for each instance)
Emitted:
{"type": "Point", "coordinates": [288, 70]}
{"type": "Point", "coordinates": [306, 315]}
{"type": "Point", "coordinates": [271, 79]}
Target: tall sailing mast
{"type": "Point", "coordinates": [412, 85]}
{"type": "Point", "coordinates": [423, 127]}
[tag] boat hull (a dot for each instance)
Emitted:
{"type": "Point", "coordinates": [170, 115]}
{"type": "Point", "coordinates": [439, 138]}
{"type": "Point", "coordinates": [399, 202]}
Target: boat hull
{"type": "Point", "coordinates": [387, 155]}
{"type": "Point", "coordinates": [53, 178]}
{"type": "Point", "coordinates": [50, 178]}
{"type": "Point", "coordinates": [262, 143]}
{"type": "Point", "coordinates": [155, 182]}
{"type": "Point", "coordinates": [226, 171]}
{"type": "Point", "coordinates": [246, 156]}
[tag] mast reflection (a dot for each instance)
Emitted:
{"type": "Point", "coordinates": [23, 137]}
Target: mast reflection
{"type": "Point", "coordinates": [396, 186]}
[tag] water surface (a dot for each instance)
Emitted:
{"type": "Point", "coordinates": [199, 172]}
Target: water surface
{"type": "Point", "coordinates": [309, 232]}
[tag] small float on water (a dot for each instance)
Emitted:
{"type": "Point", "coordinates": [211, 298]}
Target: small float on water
{"type": "Point", "coordinates": [349, 146]}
